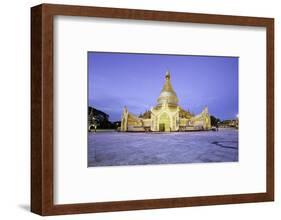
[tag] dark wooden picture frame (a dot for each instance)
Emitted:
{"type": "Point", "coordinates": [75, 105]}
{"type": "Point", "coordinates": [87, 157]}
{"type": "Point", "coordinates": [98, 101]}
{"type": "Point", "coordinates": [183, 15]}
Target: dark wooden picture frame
{"type": "Point", "coordinates": [42, 109]}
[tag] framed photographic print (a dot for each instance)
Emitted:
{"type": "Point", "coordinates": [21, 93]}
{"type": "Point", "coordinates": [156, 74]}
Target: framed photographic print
{"type": "Point", "coordinates": [138, 109]}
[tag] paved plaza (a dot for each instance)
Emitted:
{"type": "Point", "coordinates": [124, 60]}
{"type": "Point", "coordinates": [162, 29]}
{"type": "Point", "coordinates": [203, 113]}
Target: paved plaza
{"type": "Point", "coordinates": [110, 148]}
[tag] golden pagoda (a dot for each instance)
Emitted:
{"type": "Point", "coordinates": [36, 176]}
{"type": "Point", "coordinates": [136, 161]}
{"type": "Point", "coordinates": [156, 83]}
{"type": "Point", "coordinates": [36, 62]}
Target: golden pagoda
{"type": "Point", "coordinates": [168, 95]}
{"type": "Point", "coordinates": [166, 116]}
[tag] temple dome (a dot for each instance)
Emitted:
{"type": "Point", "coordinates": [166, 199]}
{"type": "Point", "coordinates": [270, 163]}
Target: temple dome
{"type": "Point", "coordinates": [168, 95]}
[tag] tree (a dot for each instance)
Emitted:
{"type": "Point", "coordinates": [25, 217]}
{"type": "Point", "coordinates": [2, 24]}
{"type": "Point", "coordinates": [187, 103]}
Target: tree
{"type": "Point", "coordinates": [214, 121]}
{"type": "Point", "coordinates": [99, 119]}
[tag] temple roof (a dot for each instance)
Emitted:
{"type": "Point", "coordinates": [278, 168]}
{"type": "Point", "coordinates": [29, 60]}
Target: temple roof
{"type": "Point", "coordinates": [168, 95]}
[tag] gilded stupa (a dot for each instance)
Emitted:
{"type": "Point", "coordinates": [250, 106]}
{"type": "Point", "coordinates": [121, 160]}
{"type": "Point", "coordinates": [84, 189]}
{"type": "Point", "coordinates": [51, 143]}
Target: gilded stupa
{"type": "Point", "coordinates": [168, 95]}
{"type": "Point", "coordinates": [166, 116]}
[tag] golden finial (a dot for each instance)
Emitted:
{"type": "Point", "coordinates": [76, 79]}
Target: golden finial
{"type": "Point", "coordinates": [168, 76]}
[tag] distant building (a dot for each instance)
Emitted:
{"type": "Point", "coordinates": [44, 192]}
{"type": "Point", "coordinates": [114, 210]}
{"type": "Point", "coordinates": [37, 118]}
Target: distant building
{"type": "Point", "coordinates": [166, 116]}
{"type": "Point", "coordinates": [229, 123]}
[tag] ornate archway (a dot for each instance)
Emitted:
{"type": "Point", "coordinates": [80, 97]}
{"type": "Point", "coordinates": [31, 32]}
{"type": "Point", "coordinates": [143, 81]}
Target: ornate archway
{"type": "Point", "coordinates": [164, 122]}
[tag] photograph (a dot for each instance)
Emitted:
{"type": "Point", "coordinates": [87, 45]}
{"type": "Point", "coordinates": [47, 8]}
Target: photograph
{"type": "Point", "coordinates": [148, 109]}
{"type": "Point", "coordinates": [178, 104]}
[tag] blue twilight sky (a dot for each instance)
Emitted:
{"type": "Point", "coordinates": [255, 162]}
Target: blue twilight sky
{"type": "Point", "coordinates": [116, 80]}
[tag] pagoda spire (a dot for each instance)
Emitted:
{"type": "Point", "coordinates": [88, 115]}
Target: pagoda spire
{"type": "Point", "coordinates": [168, 95]}
{"type": "Point", "coordinates": [168, 75]}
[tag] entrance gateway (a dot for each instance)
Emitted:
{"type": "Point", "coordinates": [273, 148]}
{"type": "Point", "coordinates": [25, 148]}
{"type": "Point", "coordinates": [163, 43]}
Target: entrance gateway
{"type": "Point", "coordinates": [164, 122]}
